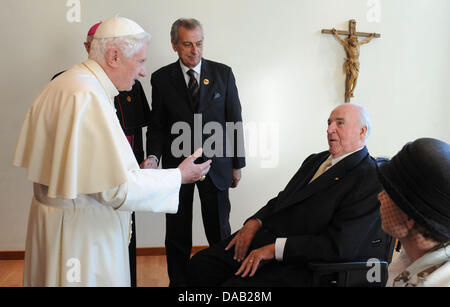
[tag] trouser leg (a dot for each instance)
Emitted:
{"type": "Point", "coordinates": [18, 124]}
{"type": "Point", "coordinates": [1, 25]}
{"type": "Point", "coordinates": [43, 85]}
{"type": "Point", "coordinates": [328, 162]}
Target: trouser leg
{"type": "Point", "coordinates": [179, 238]}
{"type": "Point", "coordinates": [215, 207]}
{"type": "Point", "coordinates": [213, 266]}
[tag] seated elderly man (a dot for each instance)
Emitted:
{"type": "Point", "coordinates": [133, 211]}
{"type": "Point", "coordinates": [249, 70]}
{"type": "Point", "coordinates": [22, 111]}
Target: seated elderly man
{"type": "Point", "coordinates": [327, 212]}
{"type": "Point", "coordinates": [415, 208]}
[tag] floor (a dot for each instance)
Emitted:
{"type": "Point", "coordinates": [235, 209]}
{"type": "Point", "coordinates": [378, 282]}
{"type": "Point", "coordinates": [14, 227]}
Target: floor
{"type": "Point", "coordinates": [151, 272]}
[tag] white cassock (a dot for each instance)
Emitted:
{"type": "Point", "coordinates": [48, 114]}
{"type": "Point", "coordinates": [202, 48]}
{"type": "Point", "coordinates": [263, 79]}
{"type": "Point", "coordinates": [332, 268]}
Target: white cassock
{"type": "Point", "coordinates": [86, 183]}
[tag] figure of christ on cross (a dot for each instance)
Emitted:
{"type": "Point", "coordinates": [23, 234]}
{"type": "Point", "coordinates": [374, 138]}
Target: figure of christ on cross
{"type": "Point", "coordinates": [351, 45]}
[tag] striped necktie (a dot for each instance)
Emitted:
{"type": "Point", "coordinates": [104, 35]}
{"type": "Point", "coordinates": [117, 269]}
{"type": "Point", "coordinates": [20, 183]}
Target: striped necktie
{"type": "Point", "coordinates": [193, 89]}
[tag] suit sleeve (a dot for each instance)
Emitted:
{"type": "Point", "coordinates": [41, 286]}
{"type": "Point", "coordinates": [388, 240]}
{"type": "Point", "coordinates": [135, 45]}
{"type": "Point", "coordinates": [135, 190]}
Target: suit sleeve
{"type": "Point", "coordinates": [266, 210]}
{"type": "Point", "coordinates": [155, 132]}
{"type": "Point", "coordinates": [271, 206]}
{"type": "Point", "coordinates": [234, 115]}
{"type": "Point", "coordinates": [349, 229]}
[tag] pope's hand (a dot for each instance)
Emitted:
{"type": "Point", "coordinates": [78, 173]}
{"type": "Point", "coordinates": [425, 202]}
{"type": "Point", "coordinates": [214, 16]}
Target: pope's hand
{"type": "Point", "coordinates": [149, 163]}
{"type": "Point", "coordinates": [191, 172]}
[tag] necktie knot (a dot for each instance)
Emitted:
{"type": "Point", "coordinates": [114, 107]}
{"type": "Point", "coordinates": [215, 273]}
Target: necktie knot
{"type": "Point", "coordinates": [323, 167]}
{"type": "Point", "coordinates": [191, 73]}
{"type": "Point", "coordinates": [327, 163]}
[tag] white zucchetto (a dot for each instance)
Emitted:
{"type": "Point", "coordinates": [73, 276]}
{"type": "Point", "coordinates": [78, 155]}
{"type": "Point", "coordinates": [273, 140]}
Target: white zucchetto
{"type": "Point", "coordinates": [119, 27]}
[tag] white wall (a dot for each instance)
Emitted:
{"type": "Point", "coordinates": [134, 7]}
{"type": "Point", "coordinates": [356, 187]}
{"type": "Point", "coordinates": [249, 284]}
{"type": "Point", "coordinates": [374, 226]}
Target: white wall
{"type": "Point", "coordinates": [289, 76]}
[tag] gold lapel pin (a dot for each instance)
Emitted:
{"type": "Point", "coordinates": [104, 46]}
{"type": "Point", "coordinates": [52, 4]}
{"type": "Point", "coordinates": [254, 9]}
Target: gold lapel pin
{"type": "Point", "coordinates": [336, 179]}
{"type": "Point", "coordinates": [205, 81]}
{"type": "Point", "coordinates": [128, 98]}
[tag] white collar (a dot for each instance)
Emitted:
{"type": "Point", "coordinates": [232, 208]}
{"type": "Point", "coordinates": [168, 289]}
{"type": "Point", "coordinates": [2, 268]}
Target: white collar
{"type": "Point", "coordinates": [338, 159]}
{"type": "Point", "coordinates": [197, 68]}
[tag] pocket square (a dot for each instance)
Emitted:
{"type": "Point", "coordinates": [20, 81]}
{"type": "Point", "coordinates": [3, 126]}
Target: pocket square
{"type": "Point", "coordinates": [217, 95]}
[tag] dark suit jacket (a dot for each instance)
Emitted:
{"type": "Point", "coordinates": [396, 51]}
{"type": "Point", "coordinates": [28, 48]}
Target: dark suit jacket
{"type": "Point", "coordinates": [219, 103]}
{"type": "Point", "coordinates": [335, 218]}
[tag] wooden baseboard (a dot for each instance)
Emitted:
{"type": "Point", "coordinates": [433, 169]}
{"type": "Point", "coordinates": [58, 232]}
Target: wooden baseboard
{"type": "Point", "coordinates": [140, 251]}
{"type": "Point", "coordinates": [12, 255]}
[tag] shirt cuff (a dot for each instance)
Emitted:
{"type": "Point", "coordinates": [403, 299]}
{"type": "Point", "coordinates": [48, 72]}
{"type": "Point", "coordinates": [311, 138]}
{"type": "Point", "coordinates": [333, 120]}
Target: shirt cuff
{"type": "Point", "coordinates": [260, 223]}
{"type": "Point", "coordinates": [279, 248]}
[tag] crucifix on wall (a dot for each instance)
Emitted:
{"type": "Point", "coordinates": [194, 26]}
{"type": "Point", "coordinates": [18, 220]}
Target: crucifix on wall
{"type": "Point", "coordinates": [351, 45]}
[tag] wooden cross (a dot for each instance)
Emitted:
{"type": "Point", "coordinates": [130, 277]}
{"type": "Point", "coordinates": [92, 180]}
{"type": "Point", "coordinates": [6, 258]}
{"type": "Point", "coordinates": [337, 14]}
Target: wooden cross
{"type": "Point", "coordinates": [351, 46]}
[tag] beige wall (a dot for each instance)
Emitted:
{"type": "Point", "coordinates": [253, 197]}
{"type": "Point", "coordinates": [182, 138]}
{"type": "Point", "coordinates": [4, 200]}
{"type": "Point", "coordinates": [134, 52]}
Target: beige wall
{"type": "Point", "coordinates": [289, 77]}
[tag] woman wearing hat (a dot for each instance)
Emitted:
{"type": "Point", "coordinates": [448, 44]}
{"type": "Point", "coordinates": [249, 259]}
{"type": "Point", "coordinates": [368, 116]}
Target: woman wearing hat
{"type": "Point", "coordinates": [415, 208]}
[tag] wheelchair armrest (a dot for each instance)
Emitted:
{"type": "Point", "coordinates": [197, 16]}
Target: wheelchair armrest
{"type": "Point", "coordinates": [345, 274]}
{"type": "Point", "coordinates": [337, 267]}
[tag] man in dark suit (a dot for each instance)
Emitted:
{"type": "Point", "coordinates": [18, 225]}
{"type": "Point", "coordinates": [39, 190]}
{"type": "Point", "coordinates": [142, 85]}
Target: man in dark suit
{"type": "Point", "coordinates": [327, 212]}
{"type": "Point", "coordinates": [201, 96]}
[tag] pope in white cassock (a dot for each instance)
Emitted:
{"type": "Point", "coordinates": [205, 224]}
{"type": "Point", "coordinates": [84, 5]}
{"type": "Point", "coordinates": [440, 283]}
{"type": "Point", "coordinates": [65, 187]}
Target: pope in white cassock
{"type": "Point", "coordinates": [86, 178]}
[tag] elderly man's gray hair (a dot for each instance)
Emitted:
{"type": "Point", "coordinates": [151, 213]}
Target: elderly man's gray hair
{"type": "Point", "coordinates": [128, 45]}
{"type": "Point", "coordinates": [189, 24]}
{"type": "Point", "coordinates": [364, 119]}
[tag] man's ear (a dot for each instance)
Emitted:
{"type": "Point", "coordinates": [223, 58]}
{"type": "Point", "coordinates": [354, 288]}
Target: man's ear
{"type": "Point", "coordinates": [174, 46]}
{"type": "Point", "coordinates": [363, 132]}
{"type": "Point", "coordinates": [112, 58]}
{"type": "Point", "coordinates": [87, 47]}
